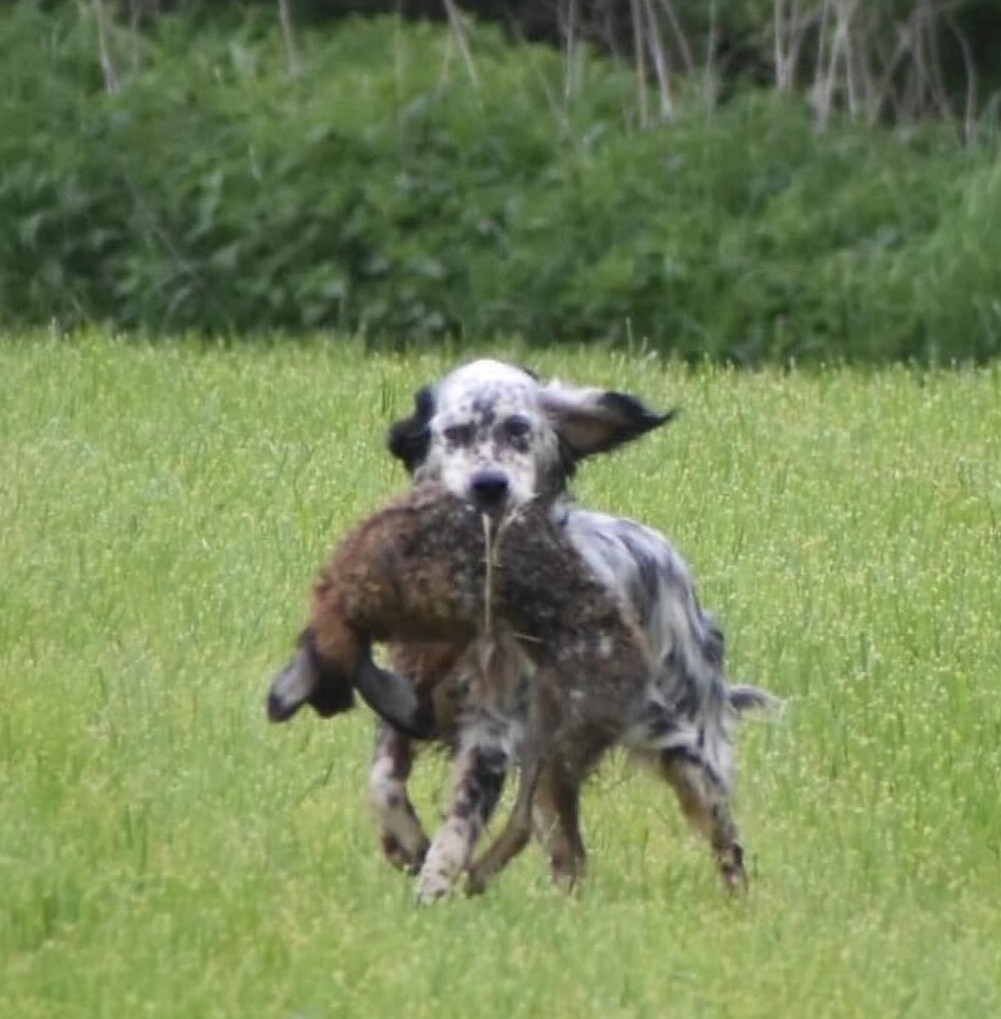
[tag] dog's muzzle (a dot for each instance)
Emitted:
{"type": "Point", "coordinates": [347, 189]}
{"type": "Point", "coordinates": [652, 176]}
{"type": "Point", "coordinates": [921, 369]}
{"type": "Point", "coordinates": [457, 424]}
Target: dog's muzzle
{"type": "Point", "coordinates": [489, 490]}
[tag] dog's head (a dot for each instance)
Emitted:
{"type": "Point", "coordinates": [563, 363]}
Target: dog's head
{"type": "Point", "coordinates": [495, 435]}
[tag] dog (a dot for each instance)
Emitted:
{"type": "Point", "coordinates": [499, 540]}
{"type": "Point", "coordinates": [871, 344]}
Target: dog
{"type": "Point", "coordinates": [552, 658]}
{"type": "Point", "coordinates": [498, 437]}
{"type": "Point", "coordinates": [557, 667]}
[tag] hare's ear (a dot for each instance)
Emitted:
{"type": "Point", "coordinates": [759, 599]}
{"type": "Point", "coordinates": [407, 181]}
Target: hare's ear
{"type": "Point", "coordinates": [309, 679]}
{"type": "Point", "coordinates": [593, 421]}
{"type": "Point", "coordinates": [409, 437]}
{"type": "Point", "coordinates": [396, 700]}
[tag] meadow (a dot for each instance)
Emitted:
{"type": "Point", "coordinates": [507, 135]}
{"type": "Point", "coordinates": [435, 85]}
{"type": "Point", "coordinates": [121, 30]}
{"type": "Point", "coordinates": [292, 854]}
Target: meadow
{"type": "Point", "coordinates": [165, 852]}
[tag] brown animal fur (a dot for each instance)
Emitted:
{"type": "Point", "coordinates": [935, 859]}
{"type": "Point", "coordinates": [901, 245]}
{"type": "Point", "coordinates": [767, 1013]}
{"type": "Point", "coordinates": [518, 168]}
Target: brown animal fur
{"type": "Point", "coordinates": [418, 570]}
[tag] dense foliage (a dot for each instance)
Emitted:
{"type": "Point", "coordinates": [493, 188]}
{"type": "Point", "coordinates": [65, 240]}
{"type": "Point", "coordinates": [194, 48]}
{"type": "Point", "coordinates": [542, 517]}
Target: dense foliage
{"type": "Point", "coordinates": [381, 190]}
{"type": "Point", "coordinates": [891, 59]}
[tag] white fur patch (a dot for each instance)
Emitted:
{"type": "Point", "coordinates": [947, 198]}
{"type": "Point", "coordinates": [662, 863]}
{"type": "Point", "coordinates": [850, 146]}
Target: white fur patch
{"type": "Point", "coordinates": [447, 858]}
{"type": "Point", "coordinates": [388, 800]}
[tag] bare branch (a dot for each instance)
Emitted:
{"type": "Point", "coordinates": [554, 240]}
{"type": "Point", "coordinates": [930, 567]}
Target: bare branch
{"type": "Point", "coordinates": [288, 31]}
{"type": "Point", "coordinates": [639, 55]}
{"type": "Point", "coordinates": [936, 83]}
{"type": "Point", "coordinates": [684, 50]}
{"type": "Point", "coordinates": [107, 67]}
{"type": "Point", "coordinates": [970, 113]}
{"type": "Point", "coordinates": [457, 24]}
{"type": "Point", "coordinates": [820, 93]}
{"type": "Point", "coordinates": [559, 112]}
{"type": "Point", "coordinates": [569, 18]}
{"type": "Point", "coordinates": [778, 28]}
{"type": "Point", "coordinates": [710, 68]}
{"type": "Point", "coordinates": [659, 58]}
{"type": "Point", "coordinates": [134, 31]}
{"type": "Point", "coordinates": [846, 13]}
{"type": "Point", "coordinates": [790, 27]}
{"type": "Point", "coordinates": [882, 89]}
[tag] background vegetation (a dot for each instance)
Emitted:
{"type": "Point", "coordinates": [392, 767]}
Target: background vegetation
{"type": "Point", "coordinates": [165, 852]}
{"type": "Point", "coordinates": [411, 181]}
{"type": "Point", "coordinates": [881, 59]}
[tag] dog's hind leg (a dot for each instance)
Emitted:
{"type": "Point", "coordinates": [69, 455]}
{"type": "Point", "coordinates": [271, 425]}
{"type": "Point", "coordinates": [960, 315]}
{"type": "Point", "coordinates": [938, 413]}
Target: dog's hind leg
{"type": "Point", "coordinates": [515, 836]}
{"type": "Point", "coordinates": [402, 838]}
{"type": "Point", "coordinates": [706, 804]}
{"type": "Point", "coordinates": [542, 728]}
{"type": "Point", "coordinates": [556, 821]}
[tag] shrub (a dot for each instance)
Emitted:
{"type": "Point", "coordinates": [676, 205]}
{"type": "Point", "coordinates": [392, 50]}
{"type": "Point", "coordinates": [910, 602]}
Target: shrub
{"type": "Point", "coordinates": [382, 192]}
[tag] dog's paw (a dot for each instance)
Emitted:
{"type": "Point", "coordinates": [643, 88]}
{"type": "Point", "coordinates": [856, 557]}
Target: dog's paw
{"type": "Point", "coordinates": [732, 870]}
{"type": "Point", "coordinates": [433, 886]}
{"type": "Point", "coordinates": [476, 882]}
{"type": "Point", "coordinates": [402, 858]}
{"type": "Point", "coordinates": [446, 860]}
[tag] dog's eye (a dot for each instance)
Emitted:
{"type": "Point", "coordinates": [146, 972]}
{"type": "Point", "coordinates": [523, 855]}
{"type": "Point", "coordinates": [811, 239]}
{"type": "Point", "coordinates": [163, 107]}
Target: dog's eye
{"type": "Point", "coordinates": [459, 435]}
{"type": "Point", "coordinates": [517, 429]}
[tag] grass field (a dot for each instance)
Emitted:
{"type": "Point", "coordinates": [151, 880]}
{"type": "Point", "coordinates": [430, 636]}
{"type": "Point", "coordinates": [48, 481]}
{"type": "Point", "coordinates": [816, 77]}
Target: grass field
{"type": "Point", "coordinates": [164, 852]}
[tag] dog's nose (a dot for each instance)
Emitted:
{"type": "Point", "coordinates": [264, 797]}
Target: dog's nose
{"type": "Point", "coordinates": [489, 489]}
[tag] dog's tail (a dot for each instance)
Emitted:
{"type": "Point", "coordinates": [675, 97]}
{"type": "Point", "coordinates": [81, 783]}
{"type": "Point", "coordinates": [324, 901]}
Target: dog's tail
{"type": "Point", "coordinates": [744, 698]}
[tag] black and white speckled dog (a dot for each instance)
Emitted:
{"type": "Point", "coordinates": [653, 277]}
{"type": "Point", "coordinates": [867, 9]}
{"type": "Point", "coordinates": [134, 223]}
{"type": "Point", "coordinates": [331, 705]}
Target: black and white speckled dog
{"type": "Point", "coordinates": [496, 436]}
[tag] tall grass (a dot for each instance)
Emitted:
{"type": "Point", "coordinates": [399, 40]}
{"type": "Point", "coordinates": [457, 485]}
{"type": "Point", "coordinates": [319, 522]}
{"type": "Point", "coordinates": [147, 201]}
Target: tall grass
{"type": "Point", "coordinates": [163, 852]}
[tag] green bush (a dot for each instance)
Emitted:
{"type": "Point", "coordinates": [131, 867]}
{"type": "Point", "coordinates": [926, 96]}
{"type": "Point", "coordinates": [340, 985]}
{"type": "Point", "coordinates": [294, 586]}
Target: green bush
{"type": "Point", "coordinates": [382, 192]}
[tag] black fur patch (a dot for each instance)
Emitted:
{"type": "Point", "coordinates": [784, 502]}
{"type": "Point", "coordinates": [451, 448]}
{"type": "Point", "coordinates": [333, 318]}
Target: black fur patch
{"type": "Point", "coordinates": [486, 782]}
{"type": "Point", "coordinates": [333, 693]}
{"type": "Point", "coordinates": [613, 420]}
{"type": "Point", "coordinates": [634, 417]}
{"type": "Point", "coordinates": [409, 437]}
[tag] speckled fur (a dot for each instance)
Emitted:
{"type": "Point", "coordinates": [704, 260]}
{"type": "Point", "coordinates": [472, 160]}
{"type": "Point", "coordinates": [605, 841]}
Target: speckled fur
{"type": "Point", "coordinates": [460, 431]}
{"type": "Point", "coordinates": [553, 670]}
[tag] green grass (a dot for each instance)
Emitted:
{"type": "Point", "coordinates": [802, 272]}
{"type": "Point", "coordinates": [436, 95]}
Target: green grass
{"type": "Point", "coordinates": [164, 852]}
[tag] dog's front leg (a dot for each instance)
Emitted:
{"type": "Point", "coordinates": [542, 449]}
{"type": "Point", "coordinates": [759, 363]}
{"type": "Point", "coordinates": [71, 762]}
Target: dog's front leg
{"type": "Point", "coordinates": [400, 833]}
{"type": "Point", "coordinates": [480, 769]}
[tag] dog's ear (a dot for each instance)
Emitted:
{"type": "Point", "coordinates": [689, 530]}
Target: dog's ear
{"type": "Point", "coordinates": [593, 421]}
{"type": "Point", "coordinates": [409, 437]}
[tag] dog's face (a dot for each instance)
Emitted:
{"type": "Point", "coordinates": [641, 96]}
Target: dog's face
{"type": "Point", "coordinates": [496, 436]}
{"type": "Point", "coordinates": [489, 440]}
